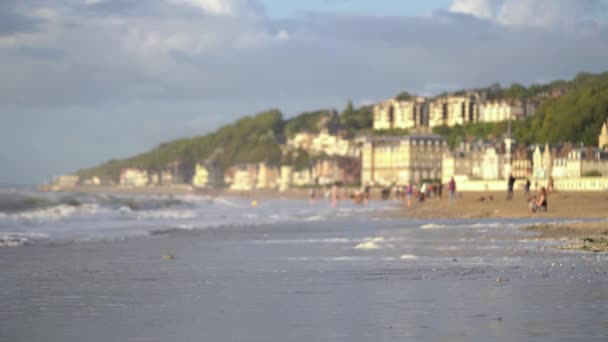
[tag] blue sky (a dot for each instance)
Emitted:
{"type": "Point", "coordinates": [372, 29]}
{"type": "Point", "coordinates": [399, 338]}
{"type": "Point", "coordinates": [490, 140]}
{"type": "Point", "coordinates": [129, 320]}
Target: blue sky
{"type": "Point", "coordinates": [85, 81]}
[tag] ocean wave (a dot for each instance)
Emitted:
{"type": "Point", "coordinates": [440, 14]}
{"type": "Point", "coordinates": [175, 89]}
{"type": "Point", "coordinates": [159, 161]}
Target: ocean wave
{"type": "Point", "coordinates": [13, 239]}
{"type": "Point", "coordinates": [162, 214]}
{"type": "Point", "coordinates": [371, 243]}
{"type": "Point", "coordinates": [432, 226]}
{"type": "Point", "coordinates": [53, 213]}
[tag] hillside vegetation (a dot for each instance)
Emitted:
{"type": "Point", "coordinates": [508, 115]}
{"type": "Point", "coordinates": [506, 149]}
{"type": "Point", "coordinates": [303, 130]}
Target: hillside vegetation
{"type": "Point", "coordinates": [575, 116]}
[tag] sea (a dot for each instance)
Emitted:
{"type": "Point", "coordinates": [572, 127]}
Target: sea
{"type": "Point", "coordinates": [129, 267]}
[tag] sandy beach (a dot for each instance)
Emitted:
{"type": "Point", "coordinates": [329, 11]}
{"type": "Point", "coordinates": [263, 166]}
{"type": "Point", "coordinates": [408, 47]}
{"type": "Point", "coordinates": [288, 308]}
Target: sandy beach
{"type": "Point", "coordinates": [590, 236]}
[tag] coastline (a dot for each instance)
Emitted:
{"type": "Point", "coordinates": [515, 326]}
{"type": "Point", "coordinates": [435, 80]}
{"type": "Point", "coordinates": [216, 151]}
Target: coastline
{"type": "Point", "coordinates": [585, 236]}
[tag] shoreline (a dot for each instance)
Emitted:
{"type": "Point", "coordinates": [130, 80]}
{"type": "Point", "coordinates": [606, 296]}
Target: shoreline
{"type": "Point", "coordinates": [583, 236]}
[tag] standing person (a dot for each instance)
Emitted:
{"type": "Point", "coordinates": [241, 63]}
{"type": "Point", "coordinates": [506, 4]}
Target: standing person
{"type": "Point", "coordinates": [366, 193]}
{"type": "Point", "coordinates": [452, 189]}
{"type": "Point", "coordinates": [510, 186]}
{"type": "Point", "coordinates": [527, 189]}
{"type": "Point", "coordinates": [422, 194]}
{"type": "Point", "coordinates": [312, 195]}
{"type": "Point", "coordinates": [334, 195]}
{"type": "Point", "coordinates": [439, 189]}
{"type": "Point", "coordinates": [409, 192]}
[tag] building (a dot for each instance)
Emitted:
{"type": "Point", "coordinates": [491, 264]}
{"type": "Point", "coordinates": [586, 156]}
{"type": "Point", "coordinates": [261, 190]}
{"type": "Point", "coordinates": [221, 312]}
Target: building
{"type": "Point", "coordinates": [267, 176]}
{"type": "Point", "coordinates": [207, 175]}
{"type": "Point", "coordinates": [332, 145]}
{"type": "Point", "coordinates": [586, 162]}
{"type": "Point", "coordinates": [521, 162]}
{"type": "Point", "coordinates": [133, 177]}
{"type": "Point", "coordinates": [66, 181]}
{"type": "Point", "coordinates": [301, 140]}
{"type": "Point", "coordinates": [502, 110]}
{"type": "Point", "coordinates": [389, 160]}
{"type": "Point", "coordinates": [401, 114]}
{"type": "Point", "coordinates": [286, 180]}
{"type": "Point", "coordinates": [244, 177]}
{"type": "Point", "coordinates": [603, 137]}
{"type": "Point", "coordinates": [454, 110]}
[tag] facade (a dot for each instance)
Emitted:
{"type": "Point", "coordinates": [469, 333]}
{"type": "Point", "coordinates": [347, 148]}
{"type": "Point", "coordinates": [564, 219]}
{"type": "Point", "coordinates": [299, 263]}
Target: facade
{"type": "Point", "coordinates": [521, 162]}
{"type": "Point", "coordinates": [454, 110]}
{"type": "Point", "coordinates": [133, 177]}
{"type": "Point", "coordinates": [66, 181]}
{"type": "Point", "coordinates": [583, 161]}
{"type": "Point", "coordinates": [286, 180]}
{"type": "Point", "coordinates": [207, 175]}
{"type": "Point", "coordinates": [332, 145]}
{"type": "Point", "coordinates": [502, 110]}
{"type": "Point", "coordinates": [449, 110]}
{"type": "Point", "coordinates": [603, 137]}
{"type": "Point", "coordinates": [268, 176]}
{"type": "Point", "coordinates": [389, 160]}
{"type": "Point", "coordinates": [244, 178]}
{"type": "Point", "coordinates": [301, 140]}
{"type": "Point", "coordinates": [401, 114]}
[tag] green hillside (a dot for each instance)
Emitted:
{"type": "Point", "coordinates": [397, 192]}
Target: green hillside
{"type": "Point", "coordinates": [576, 116]}
{"type": "Point", "coordinates": [249, 140]}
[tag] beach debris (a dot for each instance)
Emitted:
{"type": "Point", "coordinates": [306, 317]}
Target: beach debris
{"type": "Point", "coordinates": [254, 203]}
{"type": "Point", "coordinates": [168, 257]}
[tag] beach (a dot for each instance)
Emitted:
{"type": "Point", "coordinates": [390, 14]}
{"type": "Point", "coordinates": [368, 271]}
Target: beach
{"type": "Point", "coordinates": [191, 267]}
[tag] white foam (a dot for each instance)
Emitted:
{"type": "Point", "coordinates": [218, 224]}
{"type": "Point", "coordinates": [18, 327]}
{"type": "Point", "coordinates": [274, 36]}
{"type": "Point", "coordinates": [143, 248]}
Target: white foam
{"type": "Point", "coordinates": [163, 214]}
{"type": "Point", "coordinates": [13, 239]}
{"type": "Point", "coordinates": [313, 241]}
{"type": "Point", "coordinates": [408, 257]}
{"type": "Point", "coordinates": [314, 218]}
{"type": "Point", "coordinates": [373, 243]}
{"type": "Point", "coordinates": [432, 226]}
{"type": "Point", "coordinates": [368, 245]}
{"type": "Point", "coordinates": [54, 213]}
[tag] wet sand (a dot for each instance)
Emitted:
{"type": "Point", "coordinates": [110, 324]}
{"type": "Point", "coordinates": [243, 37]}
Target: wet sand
{"type": "Point", "coordinates": [588, 236]}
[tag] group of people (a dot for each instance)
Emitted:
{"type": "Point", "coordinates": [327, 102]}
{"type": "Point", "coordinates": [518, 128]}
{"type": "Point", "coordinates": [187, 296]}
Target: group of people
{"type": "Point", "coordinates": [333, 194]}
{"type": "Point", "coordinates": [536, 202]}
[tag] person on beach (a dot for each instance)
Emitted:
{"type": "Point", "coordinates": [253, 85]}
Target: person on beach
{"type": "Point", "coordinates": [527, 189]}
{"type": "Point", "coordinates": [510, 185]}
{"type": "Point", "coordinates": [422, 194]}
{"type": "Point", "coordinates": [366, 196]}
{"type": "Point", "coordinates": [539, 203]}
{"type": "Point", "coordinates": [334, 195]}
{"type": "Point", "coordinates": [452, 190]}
{"type": "Point", "coordinates": [312, 195]}
{"type": "Point", "coordinates": [409, 193]}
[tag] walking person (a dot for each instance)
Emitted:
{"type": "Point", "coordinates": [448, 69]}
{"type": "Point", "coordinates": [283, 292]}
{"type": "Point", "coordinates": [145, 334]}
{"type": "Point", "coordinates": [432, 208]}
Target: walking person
{"type": "Point", "coordinates": [452, 190]}
{"type": "Point", "coordinates": [510, 186]}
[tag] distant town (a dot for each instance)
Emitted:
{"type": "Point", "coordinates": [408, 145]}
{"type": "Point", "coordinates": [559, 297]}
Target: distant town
{"type": "Point", "coordinates": [388, 159]}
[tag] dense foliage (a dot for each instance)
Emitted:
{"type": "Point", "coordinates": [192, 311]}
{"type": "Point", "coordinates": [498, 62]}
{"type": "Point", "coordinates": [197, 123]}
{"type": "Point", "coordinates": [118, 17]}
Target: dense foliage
{"type": "Point", "coordinates": [575, 116]}
{"type": "Point", "coordinates": [251, 139]}
{"type": "Point", "coordinates": [311, 122]}
{"type": "Point", "coordinates": [356, 120]}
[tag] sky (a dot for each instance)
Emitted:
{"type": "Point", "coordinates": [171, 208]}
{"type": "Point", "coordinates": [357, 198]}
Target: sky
{"type": "Point", "coordinates": [85, 81]}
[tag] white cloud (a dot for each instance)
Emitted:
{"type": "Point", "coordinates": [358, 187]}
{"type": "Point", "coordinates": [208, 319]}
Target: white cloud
{"type": "Point", "coordinates": [92, 2]}
{"type": "Point", "coordinates": [215, 7]}
{"type": "Point", "coordinates": [553, 14]}
{"type": "Point", "coordinates": [485, 9]}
